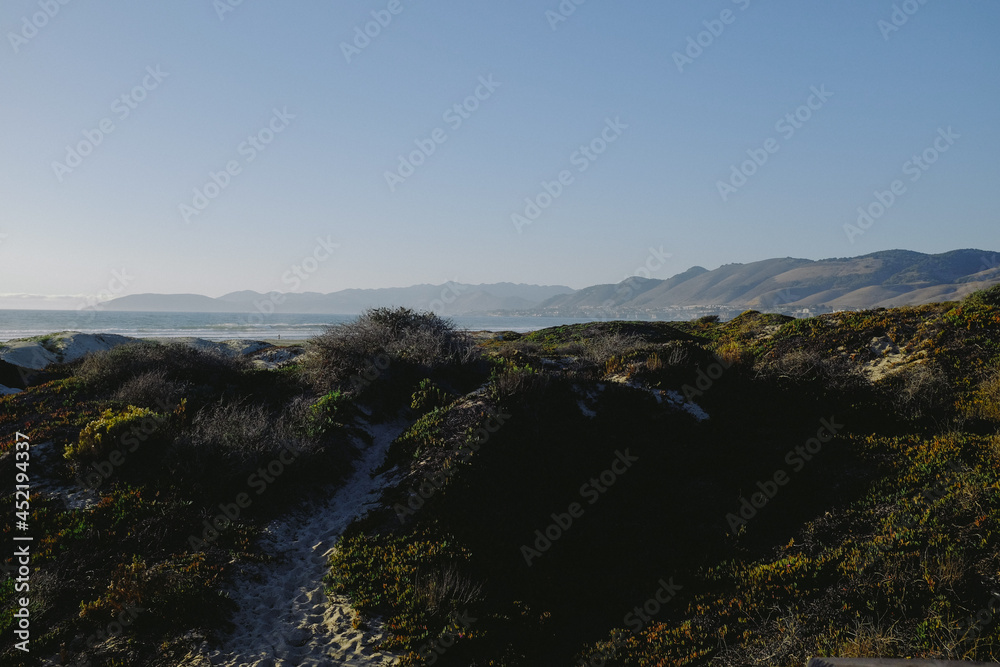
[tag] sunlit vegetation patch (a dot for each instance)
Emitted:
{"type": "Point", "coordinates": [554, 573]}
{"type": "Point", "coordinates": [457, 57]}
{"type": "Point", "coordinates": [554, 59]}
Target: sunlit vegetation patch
{"type": "Point", "coordinates": [416, 582]}
{"type": "Point", "coordinates": [124, 560]}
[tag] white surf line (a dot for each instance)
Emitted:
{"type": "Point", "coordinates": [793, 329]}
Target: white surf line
{"type": "Point", "coordinates": [285, 617]}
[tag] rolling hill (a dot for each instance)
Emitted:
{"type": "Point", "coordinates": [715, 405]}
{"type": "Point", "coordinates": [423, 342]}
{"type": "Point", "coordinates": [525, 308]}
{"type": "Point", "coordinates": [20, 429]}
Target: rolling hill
{"type": "Point", "coordinates": [888, 278]}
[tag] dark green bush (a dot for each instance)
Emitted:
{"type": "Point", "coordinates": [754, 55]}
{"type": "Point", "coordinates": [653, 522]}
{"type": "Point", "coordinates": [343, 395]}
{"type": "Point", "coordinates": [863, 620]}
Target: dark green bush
{"type": "Point", "coordinates": [151, 389]}
{"type": "Point", "coordinates": [429, 396]}
{"type": "Point", "coordinates": [119, 367]}
{"type": "Point", "coordinates": [511, 384]}
{"type": "Point", "coordinates": [381, 343]}
{"type": "Point", "coordinates": [327, 412]}
{"type": "Point", "coordinates": [230, 440]}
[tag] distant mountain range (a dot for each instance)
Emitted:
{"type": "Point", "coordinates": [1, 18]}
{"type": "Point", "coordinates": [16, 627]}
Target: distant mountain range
{"type": "Point", "coordinates": [795, 286]}
{"type": "Point", "coordinates": [449, 299]}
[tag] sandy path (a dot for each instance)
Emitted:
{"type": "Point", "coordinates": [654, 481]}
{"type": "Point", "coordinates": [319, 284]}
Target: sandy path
{"type": "Point", "coordinates": [284, 615]}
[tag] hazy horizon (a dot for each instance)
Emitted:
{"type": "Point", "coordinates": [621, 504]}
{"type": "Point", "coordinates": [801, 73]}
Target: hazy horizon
{"type": "Point", "coordinates": [73, 302]}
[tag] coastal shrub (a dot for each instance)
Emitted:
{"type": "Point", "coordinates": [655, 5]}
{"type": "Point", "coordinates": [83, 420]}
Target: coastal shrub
{"type": "Point", "coordinates": [654, 362]}
{"type": "Point", "coordinates": [918, 389]}
{"type": "Point", "coordinates": [327, 412]}
{"type": "Point", "coordinates": [676, 354]}
{"type": "Point", "coordinates": [416, 581]}
{"type": "Point", "coordinates": [425, 433]}
{"type": "Point", "coordinates": [356, 354]}
{"type": "Point", "coordinates": [811, 367]}
{"type": "Point", "coordinates": [610, 344]}
{"type": "Point", "coordinates": [111, 369]}
{"type": "Point", "coordinates": [733, 353]}
{"type": "Point", "coordinates": [150, 389]}
{"type": "Point", "coordinates": [633, 363]}
{"type": "Point", "coordinates": [985, 400]}
{"type": "Point", "coordinates": [984, 297]}
{"type": "Point", "coordinates": [510, 383]}
{"type": "Point", "coordinates": [239, 431]}
{"type": "Point", "coordinates": [228, 441]}
{"type": "Point", "coordinates": [896, 573]}
{"type": "Point", "coordinates": [429, 396]}
{"type": "Point", "coordinates": [99, 437]}
{"type": "Point", "coordinates": [667, 366]}
{"type": "Point", "coordinates": [527, 347]}
{"type": "Point", "coordinates": [444, 587]}
{"type": "Point", "coordinates": [127, 590]}
{"type": "Point", "coordinates": [615, 365]}
{"type": "Point", "coordinates": [180, 593]}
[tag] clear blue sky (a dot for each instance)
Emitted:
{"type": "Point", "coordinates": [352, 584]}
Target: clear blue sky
{"type": "Point", "coordinates": [324, 173]}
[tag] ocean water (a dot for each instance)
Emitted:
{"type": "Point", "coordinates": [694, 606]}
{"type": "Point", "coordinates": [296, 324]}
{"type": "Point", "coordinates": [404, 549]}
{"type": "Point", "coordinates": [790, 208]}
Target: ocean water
{"type": "Point", "coordinates": [221, 326]}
